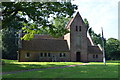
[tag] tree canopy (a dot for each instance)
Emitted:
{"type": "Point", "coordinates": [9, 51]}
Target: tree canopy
{"type": "Point", "coordinates": [37, 12]}
{"type": "Point", "coordinates": [9, 43]}
{"type": "Point", "coordinates": [86, 23]}
{"type": "Point", "coordinates": [112, 49]}
{"type": "Point", "coordinates": [59, 26]}
{"type": "Point", "coordinates": [32, 16]}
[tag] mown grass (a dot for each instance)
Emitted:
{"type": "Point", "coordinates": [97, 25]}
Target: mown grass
{"type": "Point", "coordinates": [14, 65]}
{"type": "Point", "coordinates": [93, 70]}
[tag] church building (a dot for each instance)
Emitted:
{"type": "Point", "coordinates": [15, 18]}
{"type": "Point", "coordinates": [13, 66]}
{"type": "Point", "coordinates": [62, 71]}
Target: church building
{"type": "Point", "coordinates": [75, 46]}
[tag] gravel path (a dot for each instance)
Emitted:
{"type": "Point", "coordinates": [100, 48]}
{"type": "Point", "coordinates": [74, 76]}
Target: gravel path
{"type": "Point", "coordinates": [13, 72]}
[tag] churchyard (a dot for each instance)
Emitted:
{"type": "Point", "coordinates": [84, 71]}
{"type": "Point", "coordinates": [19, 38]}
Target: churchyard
{"type": "Point", "coordinates": [60, 69]}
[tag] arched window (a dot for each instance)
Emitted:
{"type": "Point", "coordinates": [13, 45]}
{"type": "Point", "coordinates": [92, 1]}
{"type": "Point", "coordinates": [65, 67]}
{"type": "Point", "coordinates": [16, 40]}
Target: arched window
{"type": "Point", "coordinates": [62, 55]}
{"type": "Point", "coordinates": [96, 56]}
{"type": "Point", "coordinates": [45, 54]}
{"type": "Point", "coordinates": [27, 55]}
{"type": "Point", "coordinates": [48, 54]}
{"type": "Point", "coordinates": [41, 54]}
{"type": "Point", "coordinates": [76, 28]}
{"type": "Point", "coordinates": [79, 28]}
{"type": "Point", "coordinates": [93, 56]}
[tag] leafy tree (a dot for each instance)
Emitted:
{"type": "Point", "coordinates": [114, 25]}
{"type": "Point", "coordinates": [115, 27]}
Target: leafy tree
{"type": "Point", "coordinates": [86, 23]}
{"type": "Point", "coordinates": [35, 14]}
{"type": "Point", "coordinates": [59, 26]}
{"type": "Point", "coordinates": [0, 41]}
{"type": "Point", "coordinates": [9, 44]}
{"type": "Point", "coordinates": [112, 48]}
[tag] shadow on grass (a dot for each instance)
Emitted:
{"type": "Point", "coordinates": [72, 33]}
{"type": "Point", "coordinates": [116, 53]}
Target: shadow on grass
{"type": "Point", "coordinates": [10, 66]}
{"type": "Point", "coordinates": [17, 67]}
{"type": "Point", "coordinates": [83, 71]}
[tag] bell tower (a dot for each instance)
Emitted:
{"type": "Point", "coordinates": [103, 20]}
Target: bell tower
{"type": "Point", "coordinates": [78, 39]}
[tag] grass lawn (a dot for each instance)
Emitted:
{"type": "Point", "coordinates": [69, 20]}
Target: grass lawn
{"type": "Point", "coordinates": [14, 65]}
{"type": "Point", "coordinates": [93, 70]}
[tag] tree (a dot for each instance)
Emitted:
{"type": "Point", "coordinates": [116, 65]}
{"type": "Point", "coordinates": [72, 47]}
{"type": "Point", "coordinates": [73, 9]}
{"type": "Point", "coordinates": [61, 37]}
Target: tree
{"type": "Point", "coordinates": [0, 41]}
{"type": "Point", "coordinates": [35, 14]}
{"type": "Point", "coordinates": [9, 43]}
{"type": "Point", "coordinates": [59, 27]}
{"type": "Point", "coordinates": [57, 30]}
{"type": "Point", "coordinates": [112, 49]}
{"type": "Point", "coordinates": [86, 23]}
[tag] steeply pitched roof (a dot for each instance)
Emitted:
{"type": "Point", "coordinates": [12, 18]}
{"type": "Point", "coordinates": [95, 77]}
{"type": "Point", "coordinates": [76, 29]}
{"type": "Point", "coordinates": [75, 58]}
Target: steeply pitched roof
{"type": "Point", "coordinates": [94, 50]}
{"type": "Point", "coordinates": [70, 22]}
{"type": "Point", "coordinates": [90, 42]}
{"type": "Point", "coordinates": [52, 45]}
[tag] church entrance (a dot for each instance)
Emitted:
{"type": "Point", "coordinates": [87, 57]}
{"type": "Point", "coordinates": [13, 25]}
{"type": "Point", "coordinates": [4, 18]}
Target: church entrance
{"type": "Point", "coordinates": [78, 56]}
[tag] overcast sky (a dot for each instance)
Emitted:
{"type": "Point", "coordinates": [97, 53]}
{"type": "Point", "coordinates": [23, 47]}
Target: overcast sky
{"type": "Point", "coordinates": [100, 13]}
